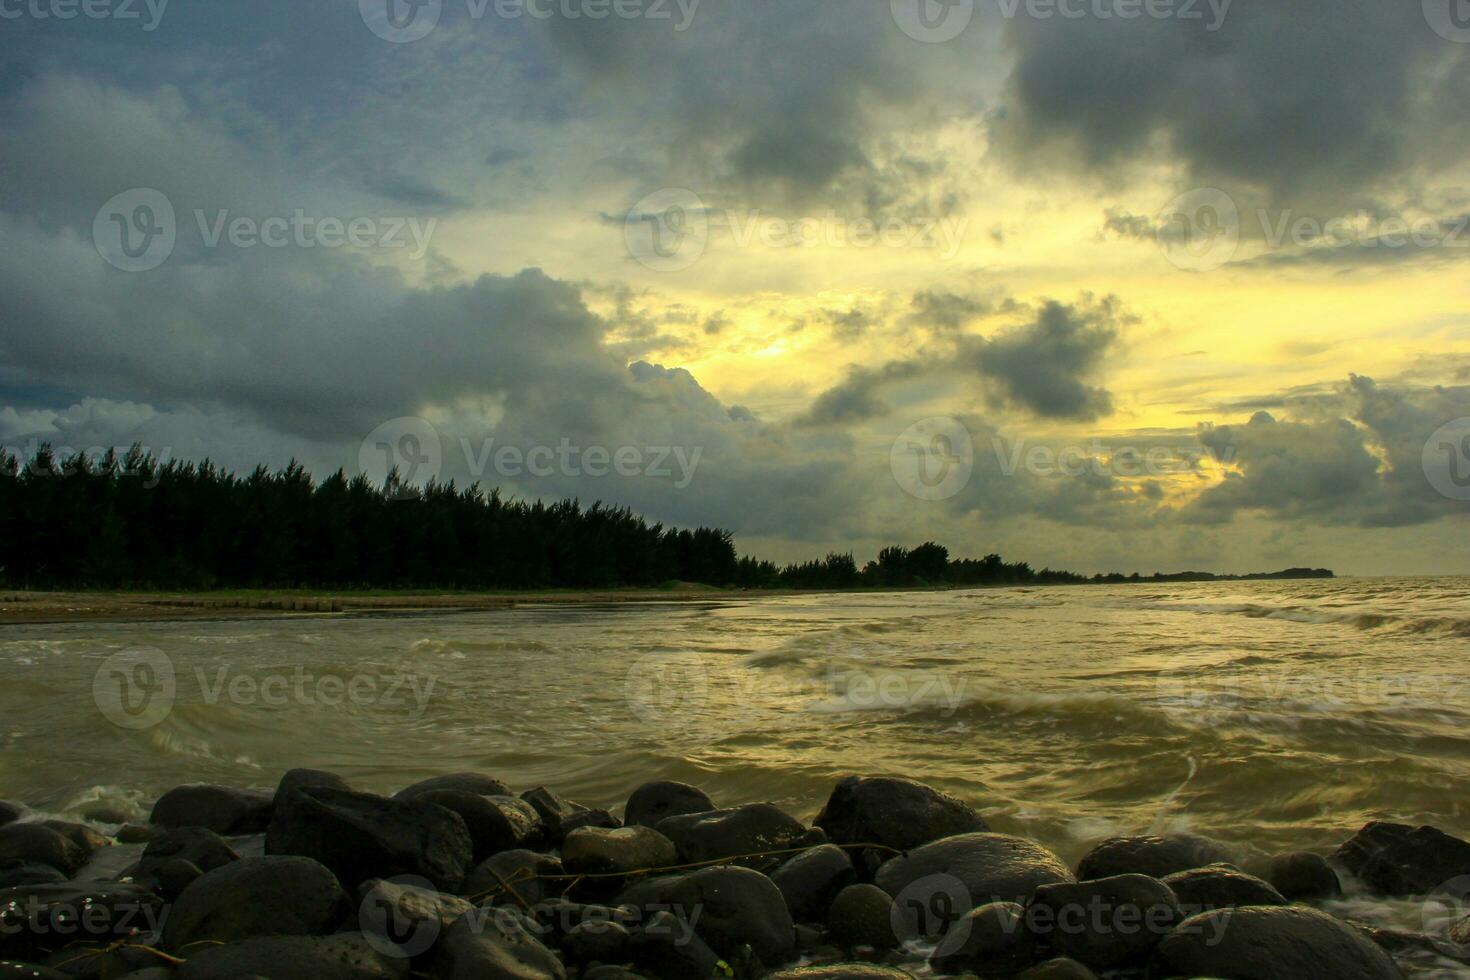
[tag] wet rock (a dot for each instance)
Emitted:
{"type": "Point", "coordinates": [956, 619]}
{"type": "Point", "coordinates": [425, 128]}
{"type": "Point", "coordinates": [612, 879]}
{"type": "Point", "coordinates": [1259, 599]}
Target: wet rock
{"type": "Point", "coordinates": [202, 848]}
{"type": "Point", "coordinates": [1460, 932]}
{"type": "Point", "coordinates": [1303, 876]}
{"type": "Point", "coordinates": [222, 809]}
{"type": "Point", "coordinates": [1107, 923]}
{"type": "Point", "coordinates": [551, 809]}
{"type": "Point", "coordinates": [406, 918]}
{"type": "Point", "coordinates": [299, 778]}
{"type": "Point", "coordinates": [594, 850]}
{"type": "Point", "coordinates": [40, 919]}
{"type": "Point", "coordinates": [495, 823]}
{"type": "Point", "coordinates": [461, 782]}
{"type": "Point", "coordinates": [79, 834]}
{"type": "Point", "coordinates": [1152, 856]}
{"type": "Point", "coordinates": [1220, 886]}
{"type": "Point", "coordinates": [359, 836]}
{"type": "Point", "coordinates": [476, 948]}
{"type": "Point", "coordinates": [109, 813]}
{"type": "Point", "coordinates": [841, 971]}
{"type": "Point", "coordinates": [346, 956]}
{"type": "Point", "coordinates": [1058, 969]}
{"type": "Point", "coordinates": [743, 830]}
{"type": "Point", "coordinates": [811, 880]}
{"type": "Point", "coordinates": [989, 867]}
{"type": "Point", "coordinates": [10, 812]}
{"type": "Point", "coordinates": [597, 942]}
{"type": "Point", "coordinates": [513, 878]}
{"type": "Point", "coordinates": [992, 937]}
{"type": "Point", "coordinates": [170, 877]}
{"type": "Point", "coordinates": [653, 802]}
{"type": "Point", "coordinates": [728, 906]}
{"type": "Point", "coordinates": [264, 896]}
{"type": "Point", "coordinates": [12, 970]}
{"type": "Point", "coordinates": [1396, 859]}
{"type": "Point", "coordinates": [588, 818]}
{"type": "Point", "coordinates": [557, 917]}
{"type": "Point", "coordinates": [666, 947]}
{"type": "Point", "coordinates": [15, 872]}
{"type": "Point", "coordinates": [898, 813]}
{"type": "Point", "coordinates": [862, 915]}
{"type": "Point", "coordinates": [39, 844]}
{"type": "Point", "coordinates": [136, 833]}
{"type": "Point", "coordinates": [1265, 943]}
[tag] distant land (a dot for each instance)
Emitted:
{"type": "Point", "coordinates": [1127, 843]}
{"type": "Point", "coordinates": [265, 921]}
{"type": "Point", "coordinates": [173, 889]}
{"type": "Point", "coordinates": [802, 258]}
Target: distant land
{"type": "Point", "coordinates": [134, 524]}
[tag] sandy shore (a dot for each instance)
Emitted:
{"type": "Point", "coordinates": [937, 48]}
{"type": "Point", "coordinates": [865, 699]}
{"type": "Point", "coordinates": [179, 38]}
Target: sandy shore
{"type": "Point", "coordinates": [18, 608]}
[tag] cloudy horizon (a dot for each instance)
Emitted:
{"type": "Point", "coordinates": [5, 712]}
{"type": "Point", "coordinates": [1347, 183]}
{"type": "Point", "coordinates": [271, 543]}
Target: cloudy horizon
{"type": "Point", "coordinates": [1097, 284]}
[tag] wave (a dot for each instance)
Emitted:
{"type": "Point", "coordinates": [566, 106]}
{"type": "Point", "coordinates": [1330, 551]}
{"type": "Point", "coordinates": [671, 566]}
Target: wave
{"type": "Point", "coordinates": [1365, 620]}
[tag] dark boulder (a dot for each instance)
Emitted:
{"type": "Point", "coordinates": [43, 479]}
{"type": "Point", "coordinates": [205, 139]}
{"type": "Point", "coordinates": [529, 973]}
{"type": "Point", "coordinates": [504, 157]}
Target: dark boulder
{"type": "Point", "coordinates": [170, 877]}
{"type": "Point", "coordinates": [360, 836]}
{"type": "Point", "coordinates": [40, 919]}
{"type": "Point", "coordinates": [11, 970]}
{"type": "Point", "coordinates": [1107, 923]}
{"type": "Point", "coordinates": [462, 782]}
{"type": "Point", "coordinates": [10, 812]}
{"type": "Point", "coordinates": [264, 896]}
{"type": "Point", "coordinates": [1060, 968]}
{"type": "Point", "coordinates": [597, 942]}
{"type": "Point", "coordinates": [667, 948]}
{"type": "Point", "coordinates": [586, 818]}
{"type": "Point", "coordinates": [79, 834]}
{"type": "Point", "coordinates": [38, 844]}
{"type": "Point", "coordinates": [653, 802]}
{"type": "Point", "coordinates": [222, 809]}
{"type": "Point", "coordinates": [1396, 859]}
{"type": "Point", "coordinates": [746, 831]}
{"type": "Point", "coordinates": [1303, 876]}
{"type": "Point", "coordinates": [811, 880]}
{"type": "Point", "coordinates": [494, 947]}
{"type": "Point", "coordinates": [405, 917]}
{"type": "Point", "coordinates": [897, 813]}
{"type": "Point", "coordinates": [495, 823]}
{"type": "Point", "coordinates": [109, 813]}
{"type": "Point", "coordinates": [862, 915]}
{"type": "Point", "coordinates": [841, 971]}
{"type": "Point", "coordinates": [992, 938]}
{"type": "Point", "coordinates": [727, 906]}
{"type": "Point", "coordinates": [594, 850]}
{"type": "Point", "coordinates": [346, 956]}
{"type": "Point", "coordinates": [1220, 886]}
{"type": "Point", "coordinates": [1152, 856]}
{"type": "Point", "coordinates": [15, 872]}
{"type": "Point", "coordinates": [1271, 943]}
{"type": "Point", "coordinates": [518, 877]}
{"type": "Point", "coordinates": [202, 848]}
{"type": "Point", "coordinates": [300, 778]}
{"type": "Point", "coordinates": [985, 867]}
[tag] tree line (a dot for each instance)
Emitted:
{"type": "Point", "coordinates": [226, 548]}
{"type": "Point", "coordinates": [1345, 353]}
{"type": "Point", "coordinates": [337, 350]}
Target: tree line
{"type": "Point", "coordinates": [132, 522]}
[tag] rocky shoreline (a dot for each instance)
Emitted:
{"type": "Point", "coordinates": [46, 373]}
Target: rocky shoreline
{"type": "Point", "coordinates": [457, 877]}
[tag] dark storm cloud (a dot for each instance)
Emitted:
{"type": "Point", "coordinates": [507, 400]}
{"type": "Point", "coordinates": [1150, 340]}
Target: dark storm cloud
{"type": "Point", "coordinates": [1046, 366]}
{"type": "Point", "coordinates": [1314, 96]}
{"type": "Point", "coordinates": [857, 397]}
{"type": "Point", "coordinates": [946, 310]}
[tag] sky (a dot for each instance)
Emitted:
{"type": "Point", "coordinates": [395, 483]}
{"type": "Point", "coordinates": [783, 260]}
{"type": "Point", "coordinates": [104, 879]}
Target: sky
{"type": "Point", "coordinates": [1097, 284]}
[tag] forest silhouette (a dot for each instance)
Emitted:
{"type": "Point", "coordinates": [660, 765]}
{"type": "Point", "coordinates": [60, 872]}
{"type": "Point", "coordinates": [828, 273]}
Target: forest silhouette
{"type": "Point", "coordinates": [134, 522]}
